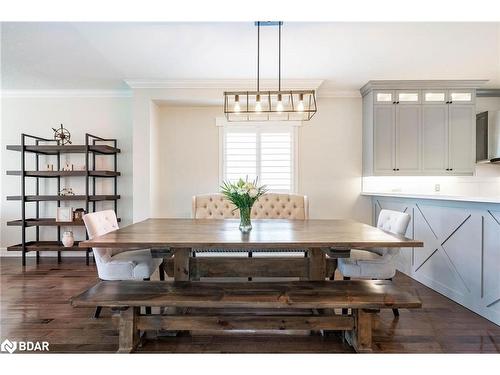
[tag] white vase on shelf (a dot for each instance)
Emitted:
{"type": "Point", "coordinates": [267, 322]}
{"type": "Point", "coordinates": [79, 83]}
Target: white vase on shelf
{"type": "Point", "coordinates": [67, 239]}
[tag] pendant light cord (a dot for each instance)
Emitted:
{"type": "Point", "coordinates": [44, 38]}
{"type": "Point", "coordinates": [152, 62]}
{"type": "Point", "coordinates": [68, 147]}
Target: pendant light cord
{"type": "Point", "coordinates": [258, 56]}
{"type": "Point", "coordinates": [279, 57]}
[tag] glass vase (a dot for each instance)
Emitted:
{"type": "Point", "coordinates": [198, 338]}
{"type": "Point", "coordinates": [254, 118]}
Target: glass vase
{"type": "Point", "coordinates": [245, 222]}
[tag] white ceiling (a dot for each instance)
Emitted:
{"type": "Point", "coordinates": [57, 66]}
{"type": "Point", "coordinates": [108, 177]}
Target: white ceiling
{"type": "Point", "coordinates": [345, 55]}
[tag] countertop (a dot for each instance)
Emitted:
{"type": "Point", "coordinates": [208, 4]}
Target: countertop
{"type": "Point", "coordinates": [436, 197]}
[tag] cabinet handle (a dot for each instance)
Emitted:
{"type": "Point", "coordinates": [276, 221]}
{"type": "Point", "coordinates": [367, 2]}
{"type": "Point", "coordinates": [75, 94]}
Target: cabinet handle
{"type": "Point", "coordinates": [397, 102]}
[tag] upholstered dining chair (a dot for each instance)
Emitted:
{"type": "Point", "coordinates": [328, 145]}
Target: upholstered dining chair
{"type": "Point", "coordinates": [378, 263]}
{"type": "Point", "coordinates": [269, 206]}
{"type": "Point", "coordinates": [118, 264]}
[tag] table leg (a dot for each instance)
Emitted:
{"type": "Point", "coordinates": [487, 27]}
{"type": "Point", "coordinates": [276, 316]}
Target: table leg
{"type": "Point", "coordinates": [317, 264]}
{"type": "Point", "coordinates": [181, 264]}
{"type": "Point", "coordinates": [128, 332]}
{"type": "Point", "coordinates": [360, 337]}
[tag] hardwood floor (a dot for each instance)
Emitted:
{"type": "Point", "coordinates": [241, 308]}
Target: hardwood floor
{"type": "Point", "coordinates": [35, 307]}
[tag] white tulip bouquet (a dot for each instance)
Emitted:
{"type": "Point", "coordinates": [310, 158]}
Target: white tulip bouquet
{"type": "Point", "coordinates": [243, 195]}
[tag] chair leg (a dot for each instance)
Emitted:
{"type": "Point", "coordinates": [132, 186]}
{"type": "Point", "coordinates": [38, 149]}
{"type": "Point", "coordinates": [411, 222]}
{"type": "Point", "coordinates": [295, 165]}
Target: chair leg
{"type": "Point", "coordinates": [161, 272]}
{"type": "Point", "coordinates": [394, 311]}
{"type": "Point", "coordinates": [250, 255]}
{"type": "Point", "coordinates": [345, 311]}
{"type": "Point", "coordinates": [147, 308]}
{"type": "Point", "coordinates": [97, 312]}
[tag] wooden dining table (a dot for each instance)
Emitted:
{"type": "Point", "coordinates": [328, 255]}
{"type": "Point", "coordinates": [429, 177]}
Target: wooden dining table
{"type": "Point", "coordinates": [320, 239]}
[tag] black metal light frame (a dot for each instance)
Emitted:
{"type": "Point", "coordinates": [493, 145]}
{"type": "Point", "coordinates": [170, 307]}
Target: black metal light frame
{"type": "Point", "coordinates": [292, 113]}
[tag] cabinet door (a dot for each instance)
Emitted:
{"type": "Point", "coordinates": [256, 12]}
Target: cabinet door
{"type": "Point", "coordinates": [408, 96]}
{"type": "Point", "coordinates": [384, 97]}
{"type": "Point", "coordinates": [435, 138]}
{"type": "Point", "coordinates": [461, 96]}
{"type": "Point", "coordinates": [461, 138]}
{"type": "Point", "coordinates": [384, 133]}
{"type": "Point", "coordinates": [437, 97]}
{"type": "Point", "coordinates": [408, 138]}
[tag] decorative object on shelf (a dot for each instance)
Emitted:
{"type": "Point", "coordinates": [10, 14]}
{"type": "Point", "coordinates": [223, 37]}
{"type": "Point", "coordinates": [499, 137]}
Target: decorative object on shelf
{"type": "Point", "coordinates": [68, 167]}
{"type": "Point", "coordinates": [66, 191]}
{"type": "Point", "coordinates": [49, 167]}
{"type": "Point", "coordinates": [276, 105]}
{"type": "Point", "coordinates": [64, 214]}
{"type": "Point", "coordinates": [68, 239]}
{"type": "Point", "coordinates": [62, 135]}
{"type": "Point", "coordinates": [78, 214]}
{"type": "Point", "coordinates": [243, 195]}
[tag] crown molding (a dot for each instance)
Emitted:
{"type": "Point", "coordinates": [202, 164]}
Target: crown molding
{"type": "Point", "coordinates": [224, 84]}
{"type": "Point", "coordinates": [330, 93]}
{"type": "Point", "coordinates": [66, 93]}
{"type": "Point", "coordinates": [421, 84]}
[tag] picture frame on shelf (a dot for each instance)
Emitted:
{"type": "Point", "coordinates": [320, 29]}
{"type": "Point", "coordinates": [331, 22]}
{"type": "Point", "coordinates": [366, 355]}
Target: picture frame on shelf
{"type": "Point", "coordinates": [64, 214]}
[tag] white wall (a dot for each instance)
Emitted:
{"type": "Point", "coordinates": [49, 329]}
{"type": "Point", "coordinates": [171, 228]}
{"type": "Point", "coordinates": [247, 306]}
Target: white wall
{"type": "Point", "coordinates": [103, 116]}
{"type": "Point", "coordinates": [187, 149]}
{"type": "Point", "coordinates": [187, 145]}
{"type": "Point", "coordinates": [330, 161]}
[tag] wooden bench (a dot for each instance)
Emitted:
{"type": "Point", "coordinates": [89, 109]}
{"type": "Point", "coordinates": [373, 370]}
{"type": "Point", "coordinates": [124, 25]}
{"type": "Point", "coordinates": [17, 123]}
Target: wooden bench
{"type": "Point", "coordinates": [365, 298]}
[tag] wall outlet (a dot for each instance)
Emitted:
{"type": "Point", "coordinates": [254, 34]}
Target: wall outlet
{"type": "Point", "coordinates": [437, 187]}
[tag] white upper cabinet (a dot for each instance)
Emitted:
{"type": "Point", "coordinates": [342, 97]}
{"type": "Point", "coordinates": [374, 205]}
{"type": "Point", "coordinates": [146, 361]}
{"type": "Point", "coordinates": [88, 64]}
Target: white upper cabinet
{"type": "Point", "coordinates": [418, 130]}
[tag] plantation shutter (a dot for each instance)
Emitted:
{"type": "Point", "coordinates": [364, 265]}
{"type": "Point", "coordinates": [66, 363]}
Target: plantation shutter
{"type": "Point", "coordinates": [276, 160]}
{"type": "Point", "coordinates": [240, 155]}
{"type": "Point", "coordinates": [260, 151]}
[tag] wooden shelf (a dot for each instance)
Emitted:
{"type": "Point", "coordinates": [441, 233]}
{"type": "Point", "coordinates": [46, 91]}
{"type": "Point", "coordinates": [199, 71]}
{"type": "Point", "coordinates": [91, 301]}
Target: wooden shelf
{"type": "Point", "coordinates": [46, 246]}
{"type": "Point", "coordinates": [67, 149]}
{"type": "Point", "coordinates": [30, 146]}
{"type": "Point", "coordinates": [52, 174]}
{"type": "Point", "coordinates": [45, 198]}
{"type": "Point", "coordinates": [47, 222]}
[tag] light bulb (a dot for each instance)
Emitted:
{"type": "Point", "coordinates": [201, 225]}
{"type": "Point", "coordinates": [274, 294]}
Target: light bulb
{"type": "Point", "coordinates": [258, 106]}
{"type": "Point", "coordinates": [237, 107]}
{"type": "Point", "coordinates": [279, 105]}
{"type": "Point", "coordinates": [300, 106]}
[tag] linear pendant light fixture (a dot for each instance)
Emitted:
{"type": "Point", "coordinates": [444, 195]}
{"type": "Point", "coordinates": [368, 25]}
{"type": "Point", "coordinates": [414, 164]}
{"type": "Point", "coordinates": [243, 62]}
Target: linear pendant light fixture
{"type": "Point", "coordinates": [276, 105]}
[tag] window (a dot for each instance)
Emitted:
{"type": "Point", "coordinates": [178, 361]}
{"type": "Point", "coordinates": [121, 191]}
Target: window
{"type": "Point", "coordinates": [434, 96]}
{"type": "Point", "coordinates": [265, 150]}
{"type": "Point", "coordinates": [384, 97]}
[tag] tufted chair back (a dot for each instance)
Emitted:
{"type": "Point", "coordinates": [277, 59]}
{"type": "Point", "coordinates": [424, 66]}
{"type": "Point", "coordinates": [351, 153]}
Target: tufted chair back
{"type": "Point", "coordinates": [269, 206]}
{"type": "Point", "coordinates": [97, 224]}
{"type": "Point", "coordinates": [394, 222]}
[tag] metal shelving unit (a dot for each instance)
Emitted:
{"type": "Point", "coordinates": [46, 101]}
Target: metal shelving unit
{"type": "Point", "coordinates": [93, 146]}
